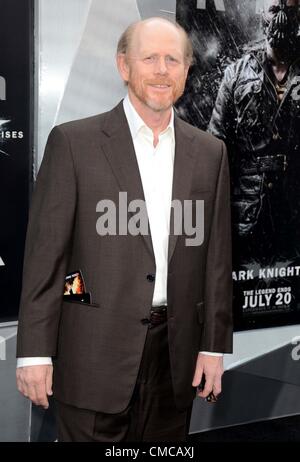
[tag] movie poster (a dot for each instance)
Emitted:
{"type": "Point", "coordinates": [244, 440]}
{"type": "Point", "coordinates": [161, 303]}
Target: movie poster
{"type": "Point", "coordinates": [244, 88]}
{"type": "Point", "coordinates": [16, 64]}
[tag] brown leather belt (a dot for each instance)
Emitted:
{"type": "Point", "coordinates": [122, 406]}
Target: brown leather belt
{"type": "Point", "coordinates": [158, 315]}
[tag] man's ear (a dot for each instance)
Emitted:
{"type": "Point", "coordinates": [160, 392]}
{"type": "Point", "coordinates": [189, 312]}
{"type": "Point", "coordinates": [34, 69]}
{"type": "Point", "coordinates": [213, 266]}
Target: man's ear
{"type": "Point", "coordinates": [186, 71]}
{"type": "Point", "coordinates": [123, 66]}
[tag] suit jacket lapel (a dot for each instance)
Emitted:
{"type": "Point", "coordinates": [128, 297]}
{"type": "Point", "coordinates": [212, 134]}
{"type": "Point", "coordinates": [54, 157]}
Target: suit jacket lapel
{"type": "Point", "coordinates": [119, 151]}
{"type": "Point", "coordinates": [182, 176]}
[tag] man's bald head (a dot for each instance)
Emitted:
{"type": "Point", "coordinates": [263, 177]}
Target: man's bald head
{"type": "Point", "coordinates": [132, 32]}
{"type": "Point", "coordinates": [153, 59]}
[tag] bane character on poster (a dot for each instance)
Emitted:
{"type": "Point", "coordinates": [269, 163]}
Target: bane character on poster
{"type": "Point", "coordinates": [257, 114]}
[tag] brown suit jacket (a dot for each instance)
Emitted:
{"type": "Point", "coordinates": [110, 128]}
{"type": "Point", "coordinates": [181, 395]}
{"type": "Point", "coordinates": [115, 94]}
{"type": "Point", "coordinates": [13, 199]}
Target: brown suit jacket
{"type": "Point", "coordinates": [97, 347]}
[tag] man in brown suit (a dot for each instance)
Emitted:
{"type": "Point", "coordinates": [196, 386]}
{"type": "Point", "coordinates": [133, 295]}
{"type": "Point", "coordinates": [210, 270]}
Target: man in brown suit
{"type": "Point", "coordinates": [127, 363]}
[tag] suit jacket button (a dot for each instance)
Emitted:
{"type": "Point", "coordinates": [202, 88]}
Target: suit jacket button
{"type": "Point", "coordinates": [145, 321]}
{"type": "Point", "coordinates": [150, 277]}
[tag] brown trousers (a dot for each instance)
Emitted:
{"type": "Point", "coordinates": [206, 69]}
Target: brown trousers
{"type": "Point", "coordinates": [151, 414]}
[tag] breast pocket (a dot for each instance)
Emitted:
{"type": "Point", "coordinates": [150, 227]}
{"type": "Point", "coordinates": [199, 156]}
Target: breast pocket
{"type": "Point", "coordinates": [201, 195]}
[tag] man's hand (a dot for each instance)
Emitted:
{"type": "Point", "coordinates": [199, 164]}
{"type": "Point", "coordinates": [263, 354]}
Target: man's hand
{"type": "Point", "coordinates": [35, 383]}
{"type": "Point", "coordinates": [212, 368]}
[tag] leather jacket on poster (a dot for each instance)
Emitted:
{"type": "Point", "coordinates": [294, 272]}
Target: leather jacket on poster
{"type": "Point", "coordinates": [263, 140]}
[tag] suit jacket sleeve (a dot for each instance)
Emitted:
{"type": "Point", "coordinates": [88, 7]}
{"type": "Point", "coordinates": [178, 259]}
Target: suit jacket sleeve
{"type": "Point", "coordinates": [47, 247]}
{"type": "Point", "coordinates": [217, 331]}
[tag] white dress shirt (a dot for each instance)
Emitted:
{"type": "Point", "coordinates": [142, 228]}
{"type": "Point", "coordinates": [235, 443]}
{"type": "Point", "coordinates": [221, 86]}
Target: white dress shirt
{"type": "Point", "coordinates": [156, 165]}
{"type": "Point", "coordinates": [156, 171]}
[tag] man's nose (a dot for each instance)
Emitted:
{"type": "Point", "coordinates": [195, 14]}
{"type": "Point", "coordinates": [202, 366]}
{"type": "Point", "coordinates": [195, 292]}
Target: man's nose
{"type": "Point", "coordinates": [161, 67]}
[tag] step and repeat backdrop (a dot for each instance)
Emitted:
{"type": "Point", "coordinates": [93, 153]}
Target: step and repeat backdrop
{"type": "Point", "coordinates": [16, 73]}
{"type": "Point", "coordinates": [233, 93]}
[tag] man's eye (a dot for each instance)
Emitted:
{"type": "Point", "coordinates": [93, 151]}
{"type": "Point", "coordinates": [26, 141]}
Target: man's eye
{"type": "Point", "coordinates": [171, 59]}
{"type": "Point", "coordinates": [149, 59]}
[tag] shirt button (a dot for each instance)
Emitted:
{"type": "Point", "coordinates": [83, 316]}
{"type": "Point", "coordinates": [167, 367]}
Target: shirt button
{"type": "Point", "coordinates": [270, 185]}
{"type": "Point", "coordinates": [150, 277]}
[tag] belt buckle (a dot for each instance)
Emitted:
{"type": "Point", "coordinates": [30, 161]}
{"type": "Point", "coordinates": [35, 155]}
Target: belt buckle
{"type": "Point", "coordinates": [159, 313]}
{"type": "Point", "coordinates": [284, 161]}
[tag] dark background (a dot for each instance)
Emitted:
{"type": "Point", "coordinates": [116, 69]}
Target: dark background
{"type": "Point", "coordinates": [16, 66]}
